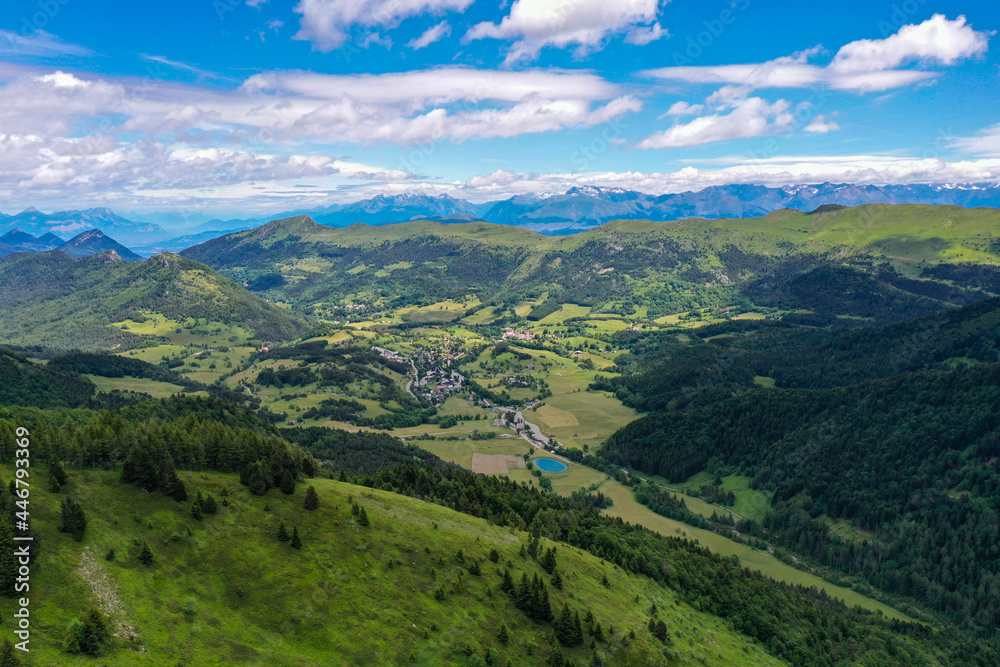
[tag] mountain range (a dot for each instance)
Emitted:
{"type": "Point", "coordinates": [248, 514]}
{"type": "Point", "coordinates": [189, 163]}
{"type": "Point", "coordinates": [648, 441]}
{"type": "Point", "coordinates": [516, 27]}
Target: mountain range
{"type": "Point", "coordinates": [70, 223]}
{"type": "Point", "coordinates": [575, 210]}
{"type": "Point", "coordinates": [84, 244]}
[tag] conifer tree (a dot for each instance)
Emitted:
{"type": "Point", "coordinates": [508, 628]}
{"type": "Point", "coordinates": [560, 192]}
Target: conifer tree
{"type": "Point", "coordinates": [598, 632]}
{"type": "Point", "coordinates": [179, 492]}
{"type": "Point", "coordinates": [208, 505]}
{"type": "Point", "coordinates": [474, 568]}
{"type": "Point", "coordinates": [494, 555]}
{"type": "Point", "coordinates": [507, 584]}
{"type": "Point", "coordinates": [196, 511]}
{"type": "Point", "coordinates": [312, 499]}
{"type": "Point", "coordinates": [95, 633]}
{"type": "Point", "coordinates": [362, 517]}
{"type": "Point", "coordinates": [557, 581]}
{"type": "Point", "coordinates": [503, 637]}
{"type": "Point", "coordinates": [74, 521]}
{"type": "Point", "coordinates": [58, 475]}
{"type": "Point", "coordinates": [146, 554]}
{"type": "Point", "coordinates": [296, 542]}
{"type": "Point", "coordinates": [549, 560]}
{"type": "Point", "coordinates": [287, 482]}
{"type": "Point", "coordinates": [283, 533]}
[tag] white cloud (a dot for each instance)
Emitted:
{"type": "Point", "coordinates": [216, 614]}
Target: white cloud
{"type": "Point", "coordinates": [40, 43]}
{"type": "Point", "coordinates": [431, 35]}
{"type": "Point", "coordinates": [987, 142]}
{"type": "Point", "coordinates": [684, 109]}
{"type": "Point", "coordinates": [820, 125]}
{"type": "Point", "coordinates": [935, 40]}
{"type": "Point", "coordinates": [865, 65]}
{"type": "Point", "coordinates": [66, 135]}
{"type": "Point", "coordinates": [750, 117]}
{"type": "Point", "coordinates": [327, 23]}
{"type": "Point", "coordinates": [535, 24]}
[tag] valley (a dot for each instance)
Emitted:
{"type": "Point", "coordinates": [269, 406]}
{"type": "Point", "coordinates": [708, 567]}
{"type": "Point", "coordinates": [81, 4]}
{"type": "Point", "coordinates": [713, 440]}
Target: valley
{"type": "Point", "coordinates": [649, 359]}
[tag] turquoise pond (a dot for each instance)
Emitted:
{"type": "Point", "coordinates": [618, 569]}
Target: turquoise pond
{"type": "Point", "coordinates": [550, 465]}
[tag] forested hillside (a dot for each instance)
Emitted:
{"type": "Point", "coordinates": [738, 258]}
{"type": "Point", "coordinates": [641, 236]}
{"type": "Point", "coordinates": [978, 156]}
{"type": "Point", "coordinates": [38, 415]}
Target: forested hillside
{"type": "Point", "coordinates": [893, 429]}
{"type": "Point", "coordinates": [58, 301]}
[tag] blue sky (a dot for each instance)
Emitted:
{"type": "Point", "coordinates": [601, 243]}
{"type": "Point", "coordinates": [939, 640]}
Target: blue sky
{"type": "Point", "coordinates": [236, 107]}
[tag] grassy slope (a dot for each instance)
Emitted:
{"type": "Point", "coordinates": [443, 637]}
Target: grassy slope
{"type": "Point", "coordinates": [338, 601]}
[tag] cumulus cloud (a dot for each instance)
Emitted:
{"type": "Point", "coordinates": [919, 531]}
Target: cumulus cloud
{"type": "Point", "coordinates": [684, 109]}
{"type": "Point", "coordinates": [863, 66]}
{"type": "Point", "coordinates": [327, 23]}
{"type": "Point", "coordinates": [750, 117]}
{"type": "Point", "coordinates": [431, 35]}
{"type": "Point", "coordinates": [585, 24]}
{"type": "Point", "coordinates": [65, 134]}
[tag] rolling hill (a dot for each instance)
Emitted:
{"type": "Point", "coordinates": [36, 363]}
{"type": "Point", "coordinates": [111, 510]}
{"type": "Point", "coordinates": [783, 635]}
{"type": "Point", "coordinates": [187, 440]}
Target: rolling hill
{"type": "Point", "coordinates": [58, 301]}
{"type": "Point", "coordinates": [905, 252]}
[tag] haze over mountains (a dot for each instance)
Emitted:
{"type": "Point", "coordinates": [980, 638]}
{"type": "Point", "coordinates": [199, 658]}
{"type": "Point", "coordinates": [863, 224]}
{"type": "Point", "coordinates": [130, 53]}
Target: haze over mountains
{"type": "Point", "coordinates": [577, 209]}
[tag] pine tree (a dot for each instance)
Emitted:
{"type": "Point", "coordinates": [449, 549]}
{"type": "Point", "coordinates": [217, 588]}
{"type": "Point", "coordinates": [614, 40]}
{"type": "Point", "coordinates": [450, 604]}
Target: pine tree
{"type": "Point", "coordinates": [362, 517]}
{"type": "Point", "coordinates": [494, 555]}
{"type": "Point", "coordinates": [564, 627]}
{"type": "Point", "coordinates": [659, 630]}
{"type": "Point", "coordinates": [179, 492]}
{"type": "Point", "coordinates": [598, 632]}
{"type": "Point", "coordinates": [283, 533]}
{"type": "Point", "coordinates": [312, 499]}
{"type": "Point", "coordinates": [95, 633]}
{"type": "Point", "coordinates": [296, 543]}
{"type": "Point", "coordinates": [474, 568]}
{"type": "Point", "coordinates": [58, 473]}
{"type": "Point", "coordinates": [557, 581]}
{"type": "Point", "coordinates": [146, 554]}
{"type": "Point", "coordinates": [209, 506]}
{"type": "Point", "coordinates": [507, 584]}
{"type": "Point", "coordinates": [503, 637]}
{"type": "Point", "coordinates": [255, 478]}
{"type": "Point", "coordinates": [196, 511]}
{"type": "Point", "coordinates": [549, 560]}
{"type": "Point", "coordinates": [287, 482]}
{"type": "Point", "coordinates": [74, 520]}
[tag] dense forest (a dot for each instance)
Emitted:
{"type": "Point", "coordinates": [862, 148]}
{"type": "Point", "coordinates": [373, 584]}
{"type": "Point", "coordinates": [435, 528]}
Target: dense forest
{"type": "Point", "coordinates": [893, 428]}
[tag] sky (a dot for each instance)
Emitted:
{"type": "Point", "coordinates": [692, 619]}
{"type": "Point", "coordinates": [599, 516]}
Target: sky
{"type": "Point", "coordinates": [246, 107]}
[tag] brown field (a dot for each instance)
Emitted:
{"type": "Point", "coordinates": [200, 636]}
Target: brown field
{"type": "Point", "coordinates": [495, 464]}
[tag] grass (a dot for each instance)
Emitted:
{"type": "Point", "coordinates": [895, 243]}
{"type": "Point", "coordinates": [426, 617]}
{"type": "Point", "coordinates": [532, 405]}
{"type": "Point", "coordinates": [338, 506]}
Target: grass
{"type": "Point", "coordinates": [461, 451]}
{"type": "Point", "coordinates": [629, 509]}
{"type": "Point", "coordinates": [151, 387]}
{"type": "Point", "coordinates": [224, 591]}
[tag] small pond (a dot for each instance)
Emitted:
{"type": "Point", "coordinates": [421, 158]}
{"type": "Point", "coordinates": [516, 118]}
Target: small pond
{"type": "Point", "coordinates": [550, 465]}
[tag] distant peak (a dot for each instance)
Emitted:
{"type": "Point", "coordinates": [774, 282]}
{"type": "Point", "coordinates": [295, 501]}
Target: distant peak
{"type": "Point", "coordinates": [30, 209]}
